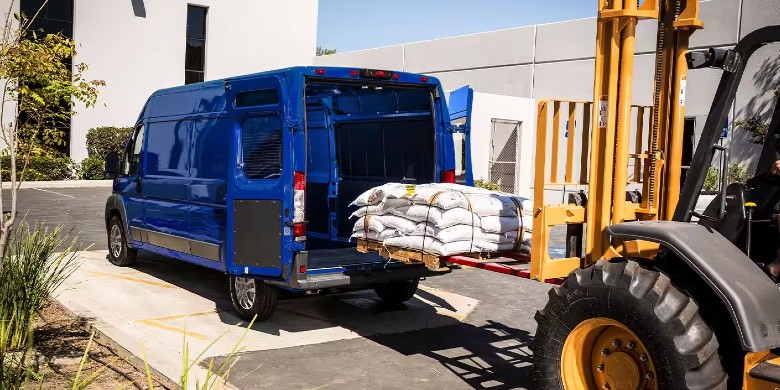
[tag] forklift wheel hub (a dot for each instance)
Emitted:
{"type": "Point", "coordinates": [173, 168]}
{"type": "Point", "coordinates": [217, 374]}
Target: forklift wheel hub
{"type": "Point", "coordinates": [603, 353]}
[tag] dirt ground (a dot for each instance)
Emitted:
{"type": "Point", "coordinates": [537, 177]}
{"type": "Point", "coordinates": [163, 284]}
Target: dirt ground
{"type": "Point", "coordinates": [60, 342]}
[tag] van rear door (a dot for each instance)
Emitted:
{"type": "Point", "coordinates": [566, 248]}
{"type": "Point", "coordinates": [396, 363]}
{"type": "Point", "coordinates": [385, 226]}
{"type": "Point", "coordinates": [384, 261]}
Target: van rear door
{"type": "Point", "coordinates": [259, 191]}
{"type": "Point", "coordinates": [460, 106]}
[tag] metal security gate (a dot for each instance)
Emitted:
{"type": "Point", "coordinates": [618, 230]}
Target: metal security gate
{"type": "Point", "coordinates": [504, 143]}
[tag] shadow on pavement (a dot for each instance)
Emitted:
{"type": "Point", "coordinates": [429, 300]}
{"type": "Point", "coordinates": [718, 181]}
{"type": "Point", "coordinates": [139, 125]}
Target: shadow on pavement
{"type": "Point", "coordinates": [358, 311]}
{"type": "Point", "coordinates": [491, 356]}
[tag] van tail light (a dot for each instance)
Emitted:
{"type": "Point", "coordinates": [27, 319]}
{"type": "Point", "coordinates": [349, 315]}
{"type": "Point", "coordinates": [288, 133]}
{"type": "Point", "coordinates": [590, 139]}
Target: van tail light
{"type": "Point", "coordinates": [299, 204]}
{"type": "Point", "coordinates": [448, 176]}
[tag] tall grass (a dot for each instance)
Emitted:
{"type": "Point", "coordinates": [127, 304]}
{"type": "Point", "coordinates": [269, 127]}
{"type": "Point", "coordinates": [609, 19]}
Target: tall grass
{"type": "Point", "coordinates": [37, 262]}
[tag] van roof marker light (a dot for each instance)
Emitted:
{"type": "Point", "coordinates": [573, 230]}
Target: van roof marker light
{"type": "Point", "coordinates": [319, 71]}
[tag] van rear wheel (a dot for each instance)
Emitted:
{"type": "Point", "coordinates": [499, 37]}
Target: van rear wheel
{"type": "Point", "coordinates": [396, 293]}
{"type": "Point", "coordinates": [252, 298]}
{"type": "Point", "coordinates": [119, 253]}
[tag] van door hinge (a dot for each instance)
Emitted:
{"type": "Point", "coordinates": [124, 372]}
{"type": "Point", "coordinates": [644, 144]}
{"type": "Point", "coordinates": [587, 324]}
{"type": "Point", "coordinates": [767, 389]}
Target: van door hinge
{"type": "Point", "coordinates": [294, 124]}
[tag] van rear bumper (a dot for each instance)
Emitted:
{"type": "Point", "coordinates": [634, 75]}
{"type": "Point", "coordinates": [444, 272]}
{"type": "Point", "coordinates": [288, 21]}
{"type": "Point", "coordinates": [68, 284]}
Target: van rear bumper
{"type": "Point", "coordinates": [352, 278]}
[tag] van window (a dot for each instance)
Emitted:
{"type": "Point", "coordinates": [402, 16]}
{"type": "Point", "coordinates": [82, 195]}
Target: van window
{"type": "Point", "coordinates": [261, 97]}
{"type": "Point", "coordinates": [261, 146]}
{"type": "Point", "coordinates": [133, 152]}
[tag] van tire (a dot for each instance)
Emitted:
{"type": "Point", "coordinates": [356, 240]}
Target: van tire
{"type": "Point", "coordinates": [119, 254]}
{"type": "Point", "coordinates": [396, 293]}
{"type": "Point", "coordinates": [258, 307]}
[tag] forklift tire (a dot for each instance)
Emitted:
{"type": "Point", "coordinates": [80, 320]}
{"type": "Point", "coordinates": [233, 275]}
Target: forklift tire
{"type": "Point", "coordinates": [252, 298]}
{"type": "Point", "coordinates": [395, 293]}
{"type": "Point", "coordinates": [119, 254]}
{"type": "Point", "coordinates": [621, 322]}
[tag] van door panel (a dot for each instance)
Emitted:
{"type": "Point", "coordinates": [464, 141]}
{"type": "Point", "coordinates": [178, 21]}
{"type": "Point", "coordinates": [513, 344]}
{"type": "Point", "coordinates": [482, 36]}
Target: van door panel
{"type": "Point", "coordinates": [166, 182]}
{"type": "Point", "coordinates": [259, 192]}
{"type": "Point", "coordinates": [209, 160]}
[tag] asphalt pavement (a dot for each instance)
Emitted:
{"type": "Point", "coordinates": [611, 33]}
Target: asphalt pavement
{"type": "Point", "coordinates": [489, 348]}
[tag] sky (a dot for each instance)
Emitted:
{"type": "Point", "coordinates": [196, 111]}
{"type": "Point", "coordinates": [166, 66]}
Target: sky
{"type": "Point", "coordinates": [347, 25]}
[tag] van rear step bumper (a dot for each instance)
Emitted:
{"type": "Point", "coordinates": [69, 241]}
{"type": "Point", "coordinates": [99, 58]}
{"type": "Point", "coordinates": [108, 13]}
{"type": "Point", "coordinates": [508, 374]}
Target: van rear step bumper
{"type": "Point", "coordinates": [352, 278]}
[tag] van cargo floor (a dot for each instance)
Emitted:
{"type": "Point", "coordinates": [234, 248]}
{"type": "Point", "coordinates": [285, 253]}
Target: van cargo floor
{"type": "Point", "coordinates": [342, 257]}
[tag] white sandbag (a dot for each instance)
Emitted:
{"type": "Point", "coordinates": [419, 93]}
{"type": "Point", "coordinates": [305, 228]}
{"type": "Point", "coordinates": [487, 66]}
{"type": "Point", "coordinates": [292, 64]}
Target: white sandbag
{"type": "Point", "coordinates": [452, 248]}
{"type": "Point", "coordinates": [376, 209]}
{"type": "Point", "coordinates": [374, 195]}
{"type": "Point", "coordinates": [426, 244]}
{"type": "Point", "coordinates": [369, 223]}
{"type": "Point", "coordinates": [376, 236]}
{"type": "Point", "coordinates": [463, 233]}
{"type": "Point", "coordinates": [438, 217]}
{"type": "Point", "coordinates": [500, 224]}
{"type": "Point", "coordinates": [403, 225]}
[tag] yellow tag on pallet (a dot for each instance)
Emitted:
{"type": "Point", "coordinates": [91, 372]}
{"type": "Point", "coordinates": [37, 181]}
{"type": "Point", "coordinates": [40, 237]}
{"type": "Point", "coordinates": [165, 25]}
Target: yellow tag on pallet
{"type": "Point", "coordinates": [410, 189]}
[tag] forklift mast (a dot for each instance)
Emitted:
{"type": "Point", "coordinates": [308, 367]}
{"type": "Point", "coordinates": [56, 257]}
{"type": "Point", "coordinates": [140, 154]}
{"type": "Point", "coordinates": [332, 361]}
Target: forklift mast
{"type": "Point", "coordinates": [658, 139]}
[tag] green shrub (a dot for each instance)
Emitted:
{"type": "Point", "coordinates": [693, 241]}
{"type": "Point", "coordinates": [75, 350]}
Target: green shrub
{"type": "Point", "coordinates": [91, 168]}
{"type": "Point", "coordinates": [37, 262]}
{"type": "Point", "coordinates": [102, 140]}
{"type": "Point", "coordinates": [488, 185]}
{"type": "Point", "coordinates": [734, 174]}
{"type": "Point", "coordinates": [43, 167]}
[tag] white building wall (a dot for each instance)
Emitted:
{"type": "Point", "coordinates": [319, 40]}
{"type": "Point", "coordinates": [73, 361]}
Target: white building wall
{"type": "Point", "coordinates": [488, 107]}
{"type": "Point", "coordinates": [137, 55]}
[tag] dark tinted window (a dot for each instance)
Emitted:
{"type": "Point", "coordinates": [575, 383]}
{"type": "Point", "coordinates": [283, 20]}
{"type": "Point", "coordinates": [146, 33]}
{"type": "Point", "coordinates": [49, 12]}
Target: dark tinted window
{"type": "Point", "coordinates": [257, 98]}
{"type": "Point", "coordinates": [195, 56]}
{"type": "Point", "coordinates": [55, 17]}
{"type": "Point", "coordinates": [261, 145]}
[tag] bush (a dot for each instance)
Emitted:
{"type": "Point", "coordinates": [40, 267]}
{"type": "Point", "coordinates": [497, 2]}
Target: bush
{"type": "Point", "coordinates": [734, 174]}
{"type": "Point", "coordinates": [488, 185]}
{"type": "Point", "coordinates": [91, 168]}
{"type": "Point", "coordinates": [43, 167]}
{"type": "Point", "coordinates": [37, 262]}
{"type": "Point", "coordinates": [102, 140]}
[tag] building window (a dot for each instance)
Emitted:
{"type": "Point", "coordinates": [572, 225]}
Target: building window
{"type": "Point", "coordinates": [56, 17]}
{"type": "Point", "coordinates": [195, 57]}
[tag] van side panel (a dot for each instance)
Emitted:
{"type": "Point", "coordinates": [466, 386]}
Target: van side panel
{"type": "Point", "coordinates": [165, 182]}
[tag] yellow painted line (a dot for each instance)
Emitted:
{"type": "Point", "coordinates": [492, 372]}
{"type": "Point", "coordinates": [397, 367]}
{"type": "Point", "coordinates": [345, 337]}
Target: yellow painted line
{"type": "Point", "coordinates": [174, 329]}
{"type": "Point", "coordinates": [137, 280]}
{"type": "Point", "coordinates": [200, 314]}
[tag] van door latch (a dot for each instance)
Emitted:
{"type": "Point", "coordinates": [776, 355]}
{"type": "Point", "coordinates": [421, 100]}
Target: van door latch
{"type": "Point", "coordinates": [294, 124]}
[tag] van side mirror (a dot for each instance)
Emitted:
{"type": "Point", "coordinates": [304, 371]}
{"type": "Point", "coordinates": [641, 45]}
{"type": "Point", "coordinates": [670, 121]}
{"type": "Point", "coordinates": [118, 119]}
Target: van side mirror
{"type": "Point", "coordinates": [111, 165]}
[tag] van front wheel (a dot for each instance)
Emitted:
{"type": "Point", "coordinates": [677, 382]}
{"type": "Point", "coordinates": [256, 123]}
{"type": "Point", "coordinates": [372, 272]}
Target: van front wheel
{"type": "Point", "coordinates": [119, 253]}
{"type": "Point", "coordinates": [252, 298]}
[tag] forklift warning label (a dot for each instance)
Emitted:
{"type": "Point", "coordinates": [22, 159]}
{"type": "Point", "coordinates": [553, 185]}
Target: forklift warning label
{"type": "Point", "coordinates": [683, 85]}
{"type": "Point", "coordinates": [603, 112]}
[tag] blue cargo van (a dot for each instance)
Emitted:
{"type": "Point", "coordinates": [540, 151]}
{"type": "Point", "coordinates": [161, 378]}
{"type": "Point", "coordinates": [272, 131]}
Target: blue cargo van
{"type": "Point", "coordinates": [253, 176]}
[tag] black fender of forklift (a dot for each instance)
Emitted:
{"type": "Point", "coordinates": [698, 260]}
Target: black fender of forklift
{"type": "Point", "coordinates": [749, 295]}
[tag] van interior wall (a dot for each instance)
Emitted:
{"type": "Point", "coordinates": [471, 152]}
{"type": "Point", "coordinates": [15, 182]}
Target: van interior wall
{"type": "Point", "coordinates": [379, 134]}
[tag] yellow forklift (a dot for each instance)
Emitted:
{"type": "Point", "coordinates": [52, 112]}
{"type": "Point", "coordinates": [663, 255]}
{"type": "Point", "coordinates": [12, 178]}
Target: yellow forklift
{"type": "Point", "coordinates": [661, 296]}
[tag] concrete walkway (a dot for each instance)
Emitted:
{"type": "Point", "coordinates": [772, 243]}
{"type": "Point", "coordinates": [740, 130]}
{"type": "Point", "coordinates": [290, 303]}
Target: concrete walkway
{"type": "Point", "coordinates": [157, 301]}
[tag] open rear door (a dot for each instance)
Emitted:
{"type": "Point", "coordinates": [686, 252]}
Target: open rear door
{"type": "Point", "coordinates": [259, 194]}
{"type": "Point", "coordinates": [460, 105]}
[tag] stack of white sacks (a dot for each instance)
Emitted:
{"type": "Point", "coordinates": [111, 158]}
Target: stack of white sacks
{"type": "Point", "coordinates": [443, 219]}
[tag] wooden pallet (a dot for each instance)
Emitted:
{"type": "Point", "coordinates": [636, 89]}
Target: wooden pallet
{"type": "Point", "coordinates": [409, 256]}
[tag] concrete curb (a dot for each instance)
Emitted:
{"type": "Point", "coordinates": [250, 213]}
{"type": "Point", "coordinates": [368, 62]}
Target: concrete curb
{"type": "Point", "coordinates": [62, 184]}
{"type": "Point", "coordinates": [135, 361]}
